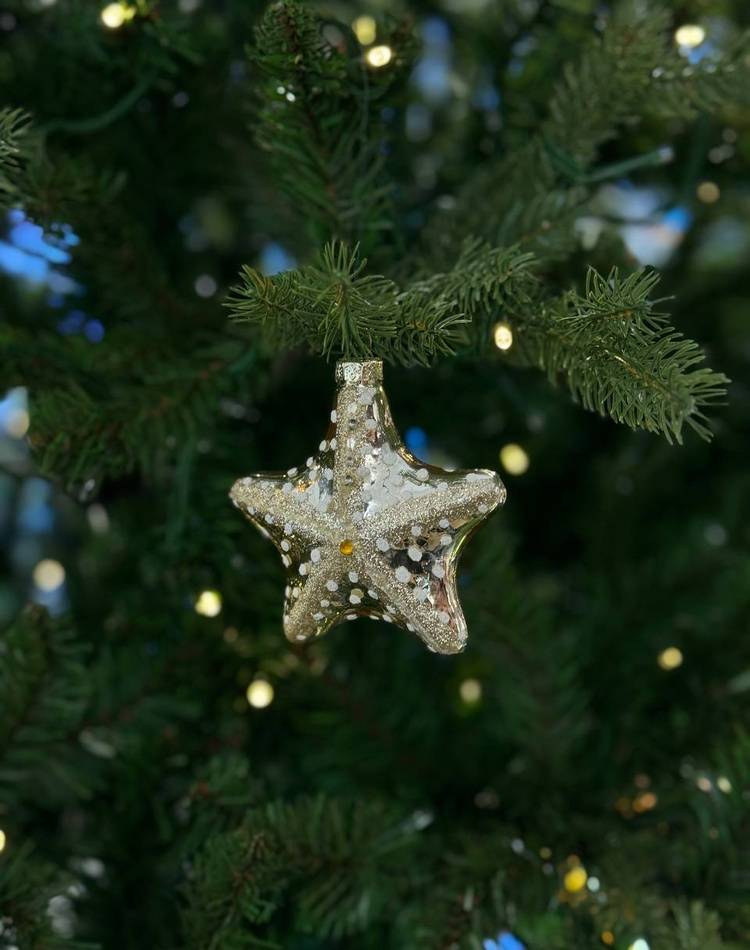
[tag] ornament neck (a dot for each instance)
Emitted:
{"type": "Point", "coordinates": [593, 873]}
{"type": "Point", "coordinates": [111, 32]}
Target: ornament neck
{"type": "Point", "coordinates": [359, 371]}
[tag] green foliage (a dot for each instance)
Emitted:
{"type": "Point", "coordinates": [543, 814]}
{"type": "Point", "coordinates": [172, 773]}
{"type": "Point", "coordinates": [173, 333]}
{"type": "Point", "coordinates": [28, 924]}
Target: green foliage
{"type": "Point", "coordinates": [336, 309]}
{"type": "Point", "coordinates": [372, 804]}
{"type": "Point", "coordinates": [334, 867]}
{"type": "Point", "coordinates": [45, 690]}
{"type": "Point", "coordinates": [14, 124]}
{"type": "Point", "coordinates": [620, 357]}
{"type": "Point", "coordinates": [320, 120]}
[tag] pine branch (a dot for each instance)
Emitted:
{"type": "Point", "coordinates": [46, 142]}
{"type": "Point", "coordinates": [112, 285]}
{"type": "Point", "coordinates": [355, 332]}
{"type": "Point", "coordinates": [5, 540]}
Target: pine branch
{"type": "Point", "coordinates": [27, 884]}
{"type": "Point", "coordinates": [45, 691]}
{"type": "Point", "coordinates": [320, 119]}
{"type": "Point", "coordinates": [334, 867]}
{"type": "Point", "coordinates": [620, 357]}
{"type": "Point", "coordinates": [336, 309]}
{"type": "Point", "coordinates": [14, 129]}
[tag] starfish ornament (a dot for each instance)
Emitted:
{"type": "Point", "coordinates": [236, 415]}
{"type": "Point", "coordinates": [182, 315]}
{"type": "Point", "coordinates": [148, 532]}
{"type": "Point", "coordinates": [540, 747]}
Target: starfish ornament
{"type": "Point", "coordinates": [364, 528]}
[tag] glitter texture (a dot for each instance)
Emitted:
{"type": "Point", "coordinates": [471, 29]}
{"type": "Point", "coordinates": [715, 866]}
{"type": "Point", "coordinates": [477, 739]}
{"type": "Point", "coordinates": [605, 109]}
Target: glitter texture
{"type": "Point", "coordinates": [369, 529]}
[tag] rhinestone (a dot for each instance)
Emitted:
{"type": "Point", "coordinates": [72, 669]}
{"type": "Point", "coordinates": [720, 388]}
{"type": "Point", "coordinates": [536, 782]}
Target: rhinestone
{"type": "Point", "coordinates": [346, 547]}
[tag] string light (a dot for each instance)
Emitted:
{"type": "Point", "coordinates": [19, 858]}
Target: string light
{"type": "Point", "coordinates": [708, 192]}
{"type": "Point", "coordinates": [3, 840]}
{"type": "Point", "coordinates": [365, 29]}
{"type": "Point", "coordinates": [208, 603]}
{"type": "Point", "coordinates": [379, 56]}
{"type": "Point", "coordinates": [607, 938]}
{"type": "Point", "coordinates": [645, 802]}
{"type": "Point", "coordinates": [514, 459]}
{"type": "Point", "coordinates": [704, 783]}
{"type": "Point", "coordinates": [689, 35]}
{"type": "Point", "coordinates": [470, 691]}
{"type": "Point", "coordinates": [114, 15]}
{"type": "Point", "coordinates": [260, 694]}
{"type": "Point", "coordinates": [49, 575]}
{"type": "Point", "coordinates": [503, 336]}
{"type": "Point", "coordinates": [639, 944]}
{"type": "Point", "coordinates": [670, 658]}
{"type": "Point", "coordinates": [723, 784]}
{"type": "Point", "coordinates": [575, 879]}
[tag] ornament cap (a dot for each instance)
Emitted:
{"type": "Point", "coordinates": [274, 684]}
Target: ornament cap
{"type": "Point", "coordinates": [359, 371]}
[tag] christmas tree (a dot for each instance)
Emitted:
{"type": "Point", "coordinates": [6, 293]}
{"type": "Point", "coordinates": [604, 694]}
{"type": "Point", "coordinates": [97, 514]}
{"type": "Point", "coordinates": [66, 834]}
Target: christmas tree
{"type": "Point", "coordinates": [535, 213]}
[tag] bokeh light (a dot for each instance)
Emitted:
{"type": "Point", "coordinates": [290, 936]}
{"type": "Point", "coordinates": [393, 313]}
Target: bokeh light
{"type": "Point", "coordinates": [379, 56]}
{"type": "Point", "coordinates": [49, 574]}
{"type": "Point", "coordinates": [689, 35]}
{"type": "Point", "coordinates": [259, 693]}
{"type": "Point", "coordinates": [514, 459]}
{"type": "Point", "coordinates": [365, 29]}
{"type": "Point", "coordinates": [670, 658]}
{"type": "Point", "coordinates": [114, 15]}
{"type": "Point", "coordinates": [503, 336]}
{"type": "Point", "coordinates": [208, 603]}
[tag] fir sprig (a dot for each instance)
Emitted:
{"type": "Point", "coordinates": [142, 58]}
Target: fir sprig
{"type": "Point", "coordinates": [620, 357]}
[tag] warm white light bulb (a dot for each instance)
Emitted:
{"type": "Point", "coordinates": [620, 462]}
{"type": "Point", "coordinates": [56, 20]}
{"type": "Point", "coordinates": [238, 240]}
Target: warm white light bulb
{"type": "Point", "coordinates": [690, 35]}
{"type": "Point", "coordinates": [208, 603]}
{"type": "Point", "coordinates": [670, 658]}
{"type": "Point", "coordinates": [503, 336]}
{"type": "Point", "coordinates": [114, 15]}
{"type": "Point", "coordinates": [365, 29]}
{"type": "Point", "coordinates": [514, 459]}
{"type": "Point", "coordinates": [379, 56]}
{"type": "Point", "coordinates": [48, 574]}
{"type": "Point", "coordinates": [260, 694]}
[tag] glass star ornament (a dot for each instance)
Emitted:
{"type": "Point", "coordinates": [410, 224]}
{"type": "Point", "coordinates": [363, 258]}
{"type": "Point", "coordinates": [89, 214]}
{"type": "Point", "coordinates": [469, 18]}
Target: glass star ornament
{"type": "Point", "coordinates": [366, 529]}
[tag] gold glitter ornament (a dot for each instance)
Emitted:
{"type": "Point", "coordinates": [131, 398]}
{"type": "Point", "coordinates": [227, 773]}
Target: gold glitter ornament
{"type": "Point", "coordinates": [366, 529]}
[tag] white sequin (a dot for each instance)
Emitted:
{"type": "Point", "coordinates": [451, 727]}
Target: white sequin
{"type": "Point", "coordinates": [318, 616]}
{"type": "Point", "coordinates": [285, 545]}
{"type": "Point", "coordinates": [402, 574]}
{"type": "Point", "coordinates": [332, 585]}
{"type": "Point", "coordinates": [323, 446]}
{"type": "Point", "coordinates": [382, 545]}
{"type": "Point", "coordinates": [292, 471]}
{"type": "Point", "coordinates": [353, 577]}
{"type": "Point", "coordinates": [444, 523]}
{"type": "Point", "coordinates": [422, 474]}
{"type": "Point", "coordinates": [483, 509]}
{"type": "Point", "coordinates": [438, 570]}
{"type": "Point", "coordinates": [333, 443]}
{"type": "Point", "coordinates": [416, 530]}
{"type": "Point", "coordinates": [373, 593]}
{"type": "Point", "coordinates": [334, 416]}
{"type": "Point", "coordinates": [443, 617]}
{"type": "Point", "coordinates": [414, 552]}
{"type": "Point", "coordinates": [355, 597]}
{"type": "Point", "coordinates": [325, 602]}
{"type": "Point", "coordinates": [269, 519]}
{"type": "Point", "coordinates": [287, 488]}
{"type": "Point", "coordinates": [445, 539]}
{"type": "Point", "coordinates": [288, 528]}
{"type": "Point", "coordinates": [286, 560]}
{"type": "Point", "coordinates": [302, 569]}
{"type": "Point", "coordinates": [315, 555]}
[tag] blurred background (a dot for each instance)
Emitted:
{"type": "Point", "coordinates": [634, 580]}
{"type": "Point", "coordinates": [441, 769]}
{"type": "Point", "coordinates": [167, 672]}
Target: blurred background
{"type": "Point", "coordinates": [580, 776]}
